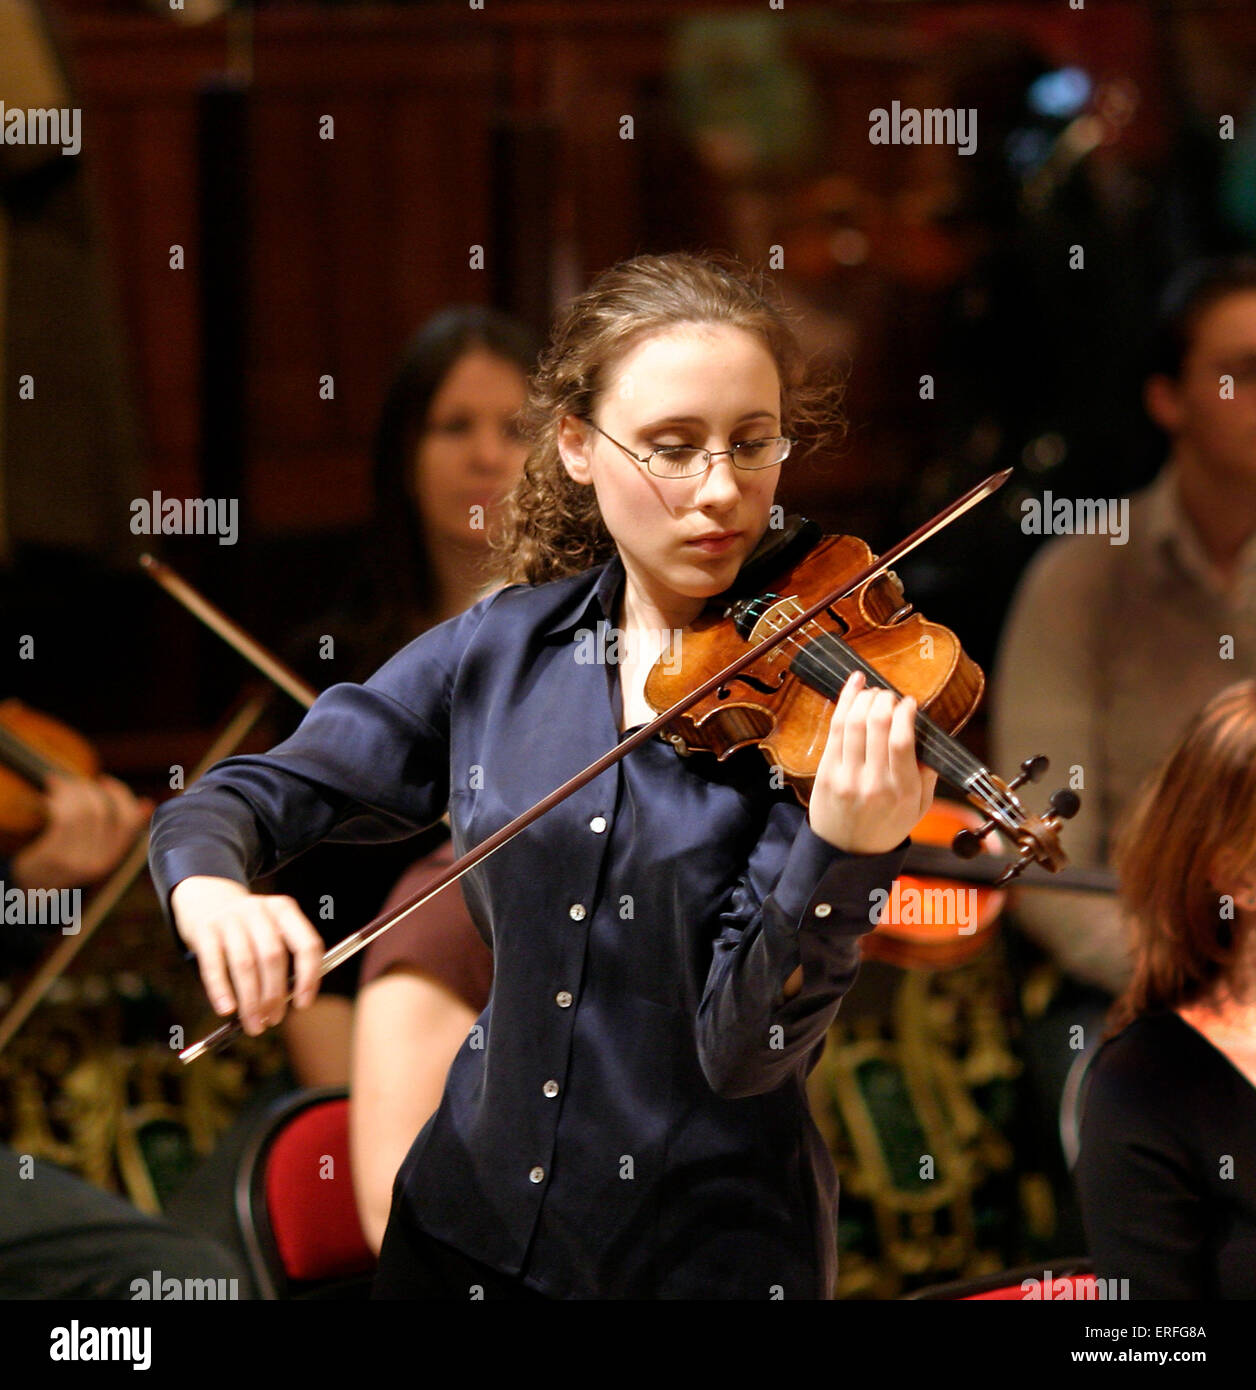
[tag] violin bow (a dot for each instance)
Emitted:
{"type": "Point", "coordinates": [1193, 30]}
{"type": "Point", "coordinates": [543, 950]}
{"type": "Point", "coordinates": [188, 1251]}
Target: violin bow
{"type": "Point", "coordinates": [231, 633]}
{"type": "Point", "coordinates": [934, 861]}
{"type": "Point", "coordinates": [358, 940]}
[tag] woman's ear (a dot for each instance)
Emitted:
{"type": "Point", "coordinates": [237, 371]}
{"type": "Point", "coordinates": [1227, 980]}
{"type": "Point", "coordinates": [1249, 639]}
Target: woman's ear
{"type": "Point", "coordinates": [573, 444]}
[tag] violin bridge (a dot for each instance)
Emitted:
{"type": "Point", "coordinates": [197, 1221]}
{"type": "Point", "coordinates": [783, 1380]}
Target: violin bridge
{"type": "Point", "coordinates": [770, 621]}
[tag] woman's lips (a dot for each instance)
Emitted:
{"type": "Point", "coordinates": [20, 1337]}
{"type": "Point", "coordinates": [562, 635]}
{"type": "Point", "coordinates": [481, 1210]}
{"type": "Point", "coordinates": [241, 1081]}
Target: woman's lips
{"type": "Point", "coordinates": [715, 547]}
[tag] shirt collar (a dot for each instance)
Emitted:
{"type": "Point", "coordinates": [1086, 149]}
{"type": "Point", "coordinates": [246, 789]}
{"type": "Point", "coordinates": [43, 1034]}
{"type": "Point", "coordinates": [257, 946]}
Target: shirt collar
{"type": "Point", "coordinates": [1169, 528]}
{"type": "Point", "coordinates": [597, 592]}
{"type": "Point", "coordinates": [1162, 518]}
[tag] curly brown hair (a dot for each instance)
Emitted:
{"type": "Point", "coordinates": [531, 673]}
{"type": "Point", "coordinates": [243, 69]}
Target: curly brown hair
{"type": "Point", "coordinates": [1196, 815]}
{"type": "Point", "coordinates": [551, 525]}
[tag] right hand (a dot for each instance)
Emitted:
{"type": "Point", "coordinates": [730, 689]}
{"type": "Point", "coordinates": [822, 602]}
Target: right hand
{"type": "Point", "coordinates": [242, 942]}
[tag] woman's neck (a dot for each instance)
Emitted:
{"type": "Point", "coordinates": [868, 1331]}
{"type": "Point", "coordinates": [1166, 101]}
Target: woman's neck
{"type": "Point", "coordinates": [640, 613]}
{"type": "Point", "coordinates": [1221, 510]}
{"type": "Point", "coordinates": [1229, 1005]}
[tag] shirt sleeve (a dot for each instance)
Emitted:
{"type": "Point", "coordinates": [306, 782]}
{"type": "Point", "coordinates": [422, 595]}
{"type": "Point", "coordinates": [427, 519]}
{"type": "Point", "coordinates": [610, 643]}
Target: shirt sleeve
{"type": "Point", "coordinates": [750, 1039]}
{"type": "Point", "coordinates": [368, 763]}
{"type": "Point", "coordinates": [1142, 1208]}
{"type": "Point", "coordinates": [1044, 700]}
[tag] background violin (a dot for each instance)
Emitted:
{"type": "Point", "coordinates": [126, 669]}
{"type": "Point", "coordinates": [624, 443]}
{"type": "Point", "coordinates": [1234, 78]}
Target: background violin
{"type": "Point", "coordinates": [31, 746]}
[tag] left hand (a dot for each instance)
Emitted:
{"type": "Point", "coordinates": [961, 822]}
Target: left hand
{"type": "Point", "coordinates": [869, 789]}
{"type": "Point", "coordinates": [91, 825]}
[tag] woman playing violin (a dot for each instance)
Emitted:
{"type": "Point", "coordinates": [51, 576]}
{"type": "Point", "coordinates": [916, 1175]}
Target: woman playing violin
{"type": "Point", "coordinates": [628, 1116]}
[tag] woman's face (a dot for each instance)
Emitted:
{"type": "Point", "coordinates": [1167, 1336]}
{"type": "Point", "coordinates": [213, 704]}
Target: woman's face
{"type": "Point", "coordinates": [710, 385]}
{"type": "Point", "coordinates": [469, 456]}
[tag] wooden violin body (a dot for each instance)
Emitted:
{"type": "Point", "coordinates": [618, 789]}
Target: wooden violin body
{"type": "Point", "coordinates": [784, 700]}
{"type": "Point", "coordinates": [31, 746]}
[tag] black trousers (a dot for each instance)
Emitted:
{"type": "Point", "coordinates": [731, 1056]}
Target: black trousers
{"type": "Point", "coordinates": [414, 1265]}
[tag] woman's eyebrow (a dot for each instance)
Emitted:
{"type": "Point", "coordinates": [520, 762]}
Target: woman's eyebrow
{"type": "Point", "coordinates": [698, 420]}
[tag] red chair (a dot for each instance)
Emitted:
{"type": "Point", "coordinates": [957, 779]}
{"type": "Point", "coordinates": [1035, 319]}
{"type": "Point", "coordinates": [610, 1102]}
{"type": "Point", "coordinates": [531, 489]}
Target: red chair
{"type": "Point", "coordinates": [295, 1205]}
{"type": "Point", "coordinates": [1070, 1278]}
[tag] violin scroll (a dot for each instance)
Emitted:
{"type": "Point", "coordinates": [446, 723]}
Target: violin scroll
{"type": "Point", "coordinates": [1038, 837]}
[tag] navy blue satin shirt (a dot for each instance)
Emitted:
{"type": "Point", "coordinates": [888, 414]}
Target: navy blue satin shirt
{"type": "Point", "coordinates": [628, 1117]}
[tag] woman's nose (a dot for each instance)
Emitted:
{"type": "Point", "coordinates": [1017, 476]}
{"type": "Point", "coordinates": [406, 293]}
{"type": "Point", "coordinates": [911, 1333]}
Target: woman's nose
{"type": "Point", "coordinates": [490, 446]}
{"type": "Point", "coordinates": [721, 478]}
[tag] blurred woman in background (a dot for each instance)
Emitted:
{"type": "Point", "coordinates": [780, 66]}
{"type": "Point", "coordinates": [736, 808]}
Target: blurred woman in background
{"type": "Point", "coordinates": [1167, 1170]}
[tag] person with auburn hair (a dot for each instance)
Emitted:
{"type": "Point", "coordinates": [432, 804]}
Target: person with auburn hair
{"type": "Point", "coordinates": [1167, 1169]}
{"type": "Point", "coordinates": [627, 1117]}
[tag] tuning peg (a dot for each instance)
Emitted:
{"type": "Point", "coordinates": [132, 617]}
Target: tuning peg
{"type": "Point", "coordinates": [1063, 805]}
{"type": "Point", "coordinates": [1030, 770]}
{"type": "Point", "coordinates": [1015, 870]}
{"type": "Point", "coordinates": [968, 843]}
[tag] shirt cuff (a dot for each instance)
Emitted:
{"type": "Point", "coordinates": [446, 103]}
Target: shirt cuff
{"type": "Point", "coordinates": [205, 857]}
{"type": "Point", "coordinates": [822, 885]}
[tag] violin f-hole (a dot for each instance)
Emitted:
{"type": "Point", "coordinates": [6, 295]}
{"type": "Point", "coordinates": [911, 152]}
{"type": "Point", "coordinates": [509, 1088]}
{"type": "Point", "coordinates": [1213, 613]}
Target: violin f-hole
{"type": "Point", "coordinates": [724, 692]}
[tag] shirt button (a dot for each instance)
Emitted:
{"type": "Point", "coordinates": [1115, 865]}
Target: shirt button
{"type": "Point", "coordinates": [597, 824]}
{"type": "Point", "coordinates": [550, 1088]}
{"type": "Point", "coordinates": [823, 909]}
{"type": "Point", "coordinates": [577, 912]}
{"type": "Point", "coordinates": [563, 999]}
{"type": "Point", "coordinates": [537, 1175]}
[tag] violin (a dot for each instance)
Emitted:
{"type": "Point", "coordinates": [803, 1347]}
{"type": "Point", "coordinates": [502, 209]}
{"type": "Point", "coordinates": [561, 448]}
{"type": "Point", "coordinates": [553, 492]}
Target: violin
{"type": "Point", "coordinates": [32, 745]}
{"type": "Point", "coordinates": [782, 700]}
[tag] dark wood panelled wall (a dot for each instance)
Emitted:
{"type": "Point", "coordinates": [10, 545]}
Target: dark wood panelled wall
{"type": "Point", "coordinates": [453, 127]}
{"type": "Point", "coordinates": [447, 121]}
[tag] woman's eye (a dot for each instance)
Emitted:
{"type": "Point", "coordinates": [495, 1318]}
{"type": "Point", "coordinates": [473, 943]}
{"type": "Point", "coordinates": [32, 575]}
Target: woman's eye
{"type": "Point", "coordinates": [458, 425]}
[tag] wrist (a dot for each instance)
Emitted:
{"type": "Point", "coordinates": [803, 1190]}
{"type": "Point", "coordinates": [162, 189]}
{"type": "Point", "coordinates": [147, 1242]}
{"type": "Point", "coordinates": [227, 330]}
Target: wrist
{"type": "Point", "coordinates": [200, 891]}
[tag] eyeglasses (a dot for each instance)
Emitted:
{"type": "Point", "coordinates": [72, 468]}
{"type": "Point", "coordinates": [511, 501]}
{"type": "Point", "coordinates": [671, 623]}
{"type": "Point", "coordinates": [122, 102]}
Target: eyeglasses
{"type": "Point", "coordinates": [687, 461]}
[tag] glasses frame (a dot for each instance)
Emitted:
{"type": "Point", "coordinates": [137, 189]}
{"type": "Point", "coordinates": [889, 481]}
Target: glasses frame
{"type": "Point", "coordinates": [710, 455]}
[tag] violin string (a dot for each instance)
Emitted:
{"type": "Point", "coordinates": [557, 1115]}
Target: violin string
{"type": "Point", "coordinates": [951, 759]}
{"type": "Point", "coordinates": [951, 754]}
{"type": "Point", "coordinates": [24, 760]}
